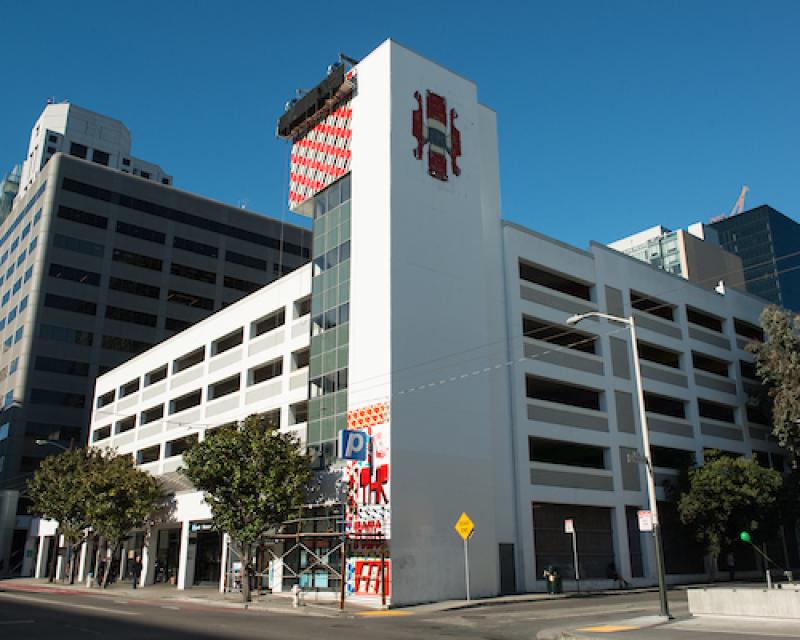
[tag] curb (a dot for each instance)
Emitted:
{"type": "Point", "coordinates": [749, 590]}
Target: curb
{"type": "Point", "coordinates": [533, 597]}
{"type": "Point", "coordinates": [643, 622]}
{"type": "Point", "coordinates": [140, 596]}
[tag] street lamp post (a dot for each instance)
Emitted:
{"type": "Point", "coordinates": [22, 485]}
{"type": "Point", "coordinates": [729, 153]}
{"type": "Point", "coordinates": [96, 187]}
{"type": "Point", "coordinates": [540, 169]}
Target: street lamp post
{"type": "Point", "coordinates": [52, 443]}
{"type": "Point", "coordinates": [52, 571]}
{"type": "Point", "coordinates": [651, 485]}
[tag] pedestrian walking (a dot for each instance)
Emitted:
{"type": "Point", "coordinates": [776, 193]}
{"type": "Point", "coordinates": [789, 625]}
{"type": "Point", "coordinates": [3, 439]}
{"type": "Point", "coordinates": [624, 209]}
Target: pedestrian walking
{"type": "Point", "coordinates": [136, 571]}
{"type": "Point", "coordinates": [730, 561]}
{"type": "Point", "coordinates": [613, 574]}
{"type": "Point", "coordinates": [101, 572]}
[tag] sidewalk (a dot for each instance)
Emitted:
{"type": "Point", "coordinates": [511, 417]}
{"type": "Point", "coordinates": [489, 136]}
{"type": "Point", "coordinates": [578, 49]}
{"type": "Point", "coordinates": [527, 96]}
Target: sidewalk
{"type": "Point", "coordinates": [455, 605]}
{"type": "Point", "coordinates": [603, 630]}
{"type": "Point", "coordinates": [705, 625]}
{"type": "Point", "coordinates": [205, 595]}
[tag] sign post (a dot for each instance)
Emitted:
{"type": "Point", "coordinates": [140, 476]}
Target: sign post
{"type": "Point", "coordinates": [645, 520]}
{"type": "Point", "coordinates": [465, 528]}
{"type": "Point", "coordinates": [569, 527]}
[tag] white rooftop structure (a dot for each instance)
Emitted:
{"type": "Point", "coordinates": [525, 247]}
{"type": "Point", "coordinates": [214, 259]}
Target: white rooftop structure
{"type": "Point", "coordinates": [78, 132]}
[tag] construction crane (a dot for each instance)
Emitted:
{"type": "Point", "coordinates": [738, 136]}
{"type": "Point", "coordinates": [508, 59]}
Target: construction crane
{"type": "Point", "coordinates": [737, 208]}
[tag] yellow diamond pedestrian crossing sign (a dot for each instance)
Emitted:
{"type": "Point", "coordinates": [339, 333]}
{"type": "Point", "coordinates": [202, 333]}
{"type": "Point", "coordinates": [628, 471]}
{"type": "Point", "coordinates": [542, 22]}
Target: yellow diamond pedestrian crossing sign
{"type": "Point", "coordinates": [464, 527]}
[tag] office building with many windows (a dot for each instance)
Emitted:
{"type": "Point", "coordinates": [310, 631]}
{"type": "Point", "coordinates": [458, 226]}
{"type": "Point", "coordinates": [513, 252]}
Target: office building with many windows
{"type": "Point", "coordinates": [70, 129]}
{"type": "Point", "coordinates": [99, 265]}
{"type": "Point", "coordinates": [694, 254]}
{"type": "Point", "coordinates": [440, 332]}
{"type": "Point", "coordinates": [767, 242]}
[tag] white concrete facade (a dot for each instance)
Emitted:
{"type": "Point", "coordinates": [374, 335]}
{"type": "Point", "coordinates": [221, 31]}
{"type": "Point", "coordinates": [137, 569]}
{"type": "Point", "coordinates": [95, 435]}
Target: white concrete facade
{"type": "Point", "coordinates": [272, 343]}
{"type": "Point", "coordinates": [613, 282]}
{"type": "Point", "coordinates": [70, 129]}
{"type": "Point", "coordinates": [281, 343]}
{"type": "Point", "coordinates": [457, 325]}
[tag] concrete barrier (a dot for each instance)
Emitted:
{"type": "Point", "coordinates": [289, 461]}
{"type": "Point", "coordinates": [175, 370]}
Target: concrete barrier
{"type": "Point", "coordinates": [747, 602]}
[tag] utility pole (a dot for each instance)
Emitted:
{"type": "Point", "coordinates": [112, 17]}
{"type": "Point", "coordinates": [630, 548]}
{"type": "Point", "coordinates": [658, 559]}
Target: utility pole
{"type": "Point", "coordinates": [651, 485]}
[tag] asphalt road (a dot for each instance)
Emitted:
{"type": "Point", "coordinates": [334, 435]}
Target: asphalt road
{"type": "Point", "coordinates": [67, 616]}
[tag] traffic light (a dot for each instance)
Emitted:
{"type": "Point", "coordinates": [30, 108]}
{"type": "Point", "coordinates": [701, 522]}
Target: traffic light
{"type": "Point", "coordinates": [744, 536]}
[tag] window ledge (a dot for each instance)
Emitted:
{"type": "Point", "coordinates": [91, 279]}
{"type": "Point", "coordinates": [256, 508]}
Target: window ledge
{"type": "Point", "coordinates": [571, 468]}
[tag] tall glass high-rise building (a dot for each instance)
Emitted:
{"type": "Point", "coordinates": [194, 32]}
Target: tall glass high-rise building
{"type": "Point", "coordinates": [768, 242]}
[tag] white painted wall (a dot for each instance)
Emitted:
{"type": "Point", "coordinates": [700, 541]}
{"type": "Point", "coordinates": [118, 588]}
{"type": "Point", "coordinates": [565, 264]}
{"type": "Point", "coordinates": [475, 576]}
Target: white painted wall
{"type": "Point", "coordinates": [281, 392]}
{"type": "Point", "coordinates": [417, 289]}
{"type": "Point", "coordinates": [602, 266]}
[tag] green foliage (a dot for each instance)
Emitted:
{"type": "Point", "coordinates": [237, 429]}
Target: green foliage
{"type": "Point", "coordinates": [253, 477]}
{"type": "Point", "coordinates": [726, 496]}
{"type": "Point", "coordinates": [97, 488]}
{"type": "Point", "coordinates": [124, 497]}
{"type": "Point", "coordinates": [778, 364]}
{"type": "Point", "coordinates": [61, 490]}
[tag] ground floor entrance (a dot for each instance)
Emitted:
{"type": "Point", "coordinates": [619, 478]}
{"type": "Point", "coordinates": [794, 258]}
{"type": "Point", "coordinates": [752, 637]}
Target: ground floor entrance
{"type": "Point", "coordinates": [208, 557]}
{"type": "Point", "coordinates": [167, 556]}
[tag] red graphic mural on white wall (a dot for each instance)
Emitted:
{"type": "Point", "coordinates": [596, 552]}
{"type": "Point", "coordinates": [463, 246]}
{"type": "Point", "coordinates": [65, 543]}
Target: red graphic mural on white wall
{"type": "Point", "coordinates": [368, 514]}
{"type": "Point", "coordinates": [432, 125]}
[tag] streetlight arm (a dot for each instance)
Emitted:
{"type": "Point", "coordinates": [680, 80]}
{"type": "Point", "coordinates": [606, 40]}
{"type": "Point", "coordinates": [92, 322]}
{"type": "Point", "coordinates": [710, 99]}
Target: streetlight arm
{"type": "Point", "coordinates": [52, 443]}
{"type": "Point", "coordinates": [573, 320]}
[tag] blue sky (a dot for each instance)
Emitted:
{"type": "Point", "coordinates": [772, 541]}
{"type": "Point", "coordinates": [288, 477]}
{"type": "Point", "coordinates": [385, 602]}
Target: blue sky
{"type": "Point", "coordinates": [613, 116]}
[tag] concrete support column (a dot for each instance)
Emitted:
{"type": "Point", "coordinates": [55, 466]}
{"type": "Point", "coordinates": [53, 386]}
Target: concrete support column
{"type": "Point", "coordinates": [223, 563]}
{"type": "Point", "coordinates": [149, 552]}
{"type": "Point", "coordinates": [82, 564]}
{"type": "Point", "coordinates": [61, 565]}
{"type": "Point", "coordinates": [8, 519]}
{"type": "Point", "coordinates": [29, 557]}
{"type": "Point", "coordinates": [183, 555]}
{"type": "Point", "coordinates": [649, 563]}
{"type": "Point", "coordinates": [123, 560]}
{"type": "Point", "coordinates": [41, 558]}
{"type": "Point", "coordinates": [531, 573]}
{"type": "Point", "coordinates": [622, 552]}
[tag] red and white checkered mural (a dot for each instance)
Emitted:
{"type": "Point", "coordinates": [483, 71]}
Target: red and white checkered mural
{"type": "Point", "coordinates": [321, 156]}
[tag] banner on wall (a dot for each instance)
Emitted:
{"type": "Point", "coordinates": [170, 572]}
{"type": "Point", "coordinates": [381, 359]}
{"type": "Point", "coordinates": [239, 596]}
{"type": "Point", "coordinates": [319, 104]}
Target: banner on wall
{"type": "Point", "coordinates": [321, 156]}
{"type": "Point", "coordinates": [368, 516]}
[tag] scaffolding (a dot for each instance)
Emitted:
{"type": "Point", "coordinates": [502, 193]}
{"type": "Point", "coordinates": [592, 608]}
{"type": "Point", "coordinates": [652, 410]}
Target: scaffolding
{"type": "Point", "coordinates": [315, 558]}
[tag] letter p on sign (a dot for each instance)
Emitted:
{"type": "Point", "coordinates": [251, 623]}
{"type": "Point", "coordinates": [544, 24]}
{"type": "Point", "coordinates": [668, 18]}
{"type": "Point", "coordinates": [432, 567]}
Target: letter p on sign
{"type": "Point", "coordinates": [353, 445]}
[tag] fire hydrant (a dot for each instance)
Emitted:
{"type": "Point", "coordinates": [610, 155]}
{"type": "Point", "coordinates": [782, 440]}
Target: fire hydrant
{"type": "Point", "coordinates": [297, 596]}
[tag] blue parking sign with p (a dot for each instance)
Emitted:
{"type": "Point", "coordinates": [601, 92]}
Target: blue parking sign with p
{"type": "Point", "coordinates": [353, 445]}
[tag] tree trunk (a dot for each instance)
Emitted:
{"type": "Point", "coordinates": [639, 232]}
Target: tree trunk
{"type": "Point", "coordinates": [247, 553]}
{"type": "Point", "coordinates": [97, 556]}
{"type": "Point", "coordinates": [712, 566]}
{"type": "Point", "coordinates": [54, 557]}
{"type": "Point", "coordinates": [73, 567]}
{"type": "Point", "coordinates": [109, 563]}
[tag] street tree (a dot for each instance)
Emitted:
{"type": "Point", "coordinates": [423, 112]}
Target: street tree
{"type": "Point", "coordinates": [253, 477]}
{"type": "Point", "coordinates": [61, 490]}
{"type": "Point", "coordinates": [726, 496]}
{"type": "Point", "coordinates": [778, 364]}
{"type": "Point", "coordinates": [123, 498]}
